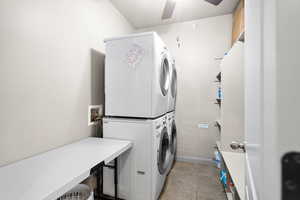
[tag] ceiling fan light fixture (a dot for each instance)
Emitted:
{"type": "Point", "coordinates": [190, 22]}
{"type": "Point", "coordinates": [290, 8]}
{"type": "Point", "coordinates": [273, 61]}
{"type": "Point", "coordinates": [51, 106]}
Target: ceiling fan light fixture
{"type": "Point", "coordinates": [169, 9]}
{"type": "Point", "coordinates": [214, 2]}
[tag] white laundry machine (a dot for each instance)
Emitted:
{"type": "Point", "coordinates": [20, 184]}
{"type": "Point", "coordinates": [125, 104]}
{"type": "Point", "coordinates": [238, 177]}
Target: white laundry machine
{"type": "Point", "coordinates": [142, 170]}
{"type": "Point", "coordinates": [137, 76]}
{"type": "Point", "coordinates": [173, 87]}
{"type": "Point", "coordinates": [172, 132]}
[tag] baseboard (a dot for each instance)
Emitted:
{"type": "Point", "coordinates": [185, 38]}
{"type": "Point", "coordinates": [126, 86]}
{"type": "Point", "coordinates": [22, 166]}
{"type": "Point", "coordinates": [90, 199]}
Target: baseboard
{"type": "Point", "coordinates": [197, 160]}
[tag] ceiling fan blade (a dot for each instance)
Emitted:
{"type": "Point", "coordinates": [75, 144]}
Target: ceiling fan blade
{"type": "Point", "coordinates": [169, 9]}
{"type": "Point", "coordinates": [214, 2]}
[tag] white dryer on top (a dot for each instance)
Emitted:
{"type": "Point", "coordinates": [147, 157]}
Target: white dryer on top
{"type": "Point", "coordinates": [173, 86]}
{"type": "Point", "coordinates": [137, 76]}
{"type": "Point", "coordinates": [143, 169]}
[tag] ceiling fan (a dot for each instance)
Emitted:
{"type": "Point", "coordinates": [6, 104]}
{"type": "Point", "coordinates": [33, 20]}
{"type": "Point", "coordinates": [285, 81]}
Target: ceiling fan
{"type": "Point", "coordinates": [170, 7]}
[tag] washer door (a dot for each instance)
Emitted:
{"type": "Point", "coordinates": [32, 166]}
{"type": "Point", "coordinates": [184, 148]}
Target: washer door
{"type": "Point", "coordinates": [164, 75]}
{"type": "Point", "coordinates": [162, 161]}
{"type": "Point", "coordinates": [173, 144]}
{"type": "Point", "coordinates": [174, 83]}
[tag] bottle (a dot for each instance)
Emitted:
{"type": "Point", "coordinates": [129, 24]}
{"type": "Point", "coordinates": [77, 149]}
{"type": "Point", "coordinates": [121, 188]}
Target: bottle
{"type": "Point", "coordinates": [219, 93]}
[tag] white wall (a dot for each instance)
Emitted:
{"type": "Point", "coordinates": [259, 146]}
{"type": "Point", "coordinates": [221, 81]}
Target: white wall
{"type": "Point", "coordinates": [201, 41]}
{"type": "Point", "coordinates": [51, 58]}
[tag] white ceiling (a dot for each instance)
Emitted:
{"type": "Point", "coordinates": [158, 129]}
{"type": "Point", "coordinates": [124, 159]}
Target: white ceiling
{"type": "Point", "coordinates": [146, 13]}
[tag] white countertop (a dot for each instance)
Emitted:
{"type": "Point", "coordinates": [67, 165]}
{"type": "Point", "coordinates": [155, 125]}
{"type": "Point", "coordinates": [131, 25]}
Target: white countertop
{"type": "Point", "coordinates": [235, 163]}
{"type": "Point", "coordinates": [49, 175]}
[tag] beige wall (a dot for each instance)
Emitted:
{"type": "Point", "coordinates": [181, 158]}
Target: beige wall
{"type": "Point", "coordinates": [201, 41]}
{"type": "Point", "coordinates": [51, 58]}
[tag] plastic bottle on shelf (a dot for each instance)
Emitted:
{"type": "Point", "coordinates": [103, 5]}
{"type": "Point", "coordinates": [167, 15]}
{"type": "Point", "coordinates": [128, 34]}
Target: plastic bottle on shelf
{"type": "Point", "coordinates": [218, 159]}
{"type": "Point", "coordinates": [219, 95]}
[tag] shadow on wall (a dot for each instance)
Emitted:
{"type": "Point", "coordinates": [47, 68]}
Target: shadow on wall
{"type": "Point", "coordinates": [97, 84]}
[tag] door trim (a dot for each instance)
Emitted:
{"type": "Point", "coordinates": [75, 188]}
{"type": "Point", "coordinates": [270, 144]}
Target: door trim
{"type": "Point", "coordinates": [250, 188]}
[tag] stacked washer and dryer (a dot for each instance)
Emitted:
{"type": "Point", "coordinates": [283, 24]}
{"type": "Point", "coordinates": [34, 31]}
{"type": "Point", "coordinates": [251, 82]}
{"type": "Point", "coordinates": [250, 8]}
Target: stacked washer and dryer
{"type": "Point", "coordinates": [140, 97]}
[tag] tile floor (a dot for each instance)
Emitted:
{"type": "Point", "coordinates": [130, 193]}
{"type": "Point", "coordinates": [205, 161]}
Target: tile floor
{"type": "Point", "coordinates": [189, 181]}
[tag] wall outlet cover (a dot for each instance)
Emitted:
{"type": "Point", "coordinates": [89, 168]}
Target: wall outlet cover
{"type": "Point", "coordinates": [203, 125]}
{"type": "Point", "coordinates": [94, 111]}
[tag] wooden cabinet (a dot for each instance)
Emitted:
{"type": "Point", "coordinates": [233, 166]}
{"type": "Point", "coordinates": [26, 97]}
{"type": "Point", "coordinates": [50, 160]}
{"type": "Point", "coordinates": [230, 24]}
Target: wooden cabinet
{"type": "Point", "coordinates": [238, 26]}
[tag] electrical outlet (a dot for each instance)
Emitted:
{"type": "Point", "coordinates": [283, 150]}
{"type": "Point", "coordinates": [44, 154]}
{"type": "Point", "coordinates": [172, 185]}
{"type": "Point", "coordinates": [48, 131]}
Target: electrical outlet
{"type": "Point", "coordinates": [94, 112]}
{"type": "Point", "coordinates": [203, 125]}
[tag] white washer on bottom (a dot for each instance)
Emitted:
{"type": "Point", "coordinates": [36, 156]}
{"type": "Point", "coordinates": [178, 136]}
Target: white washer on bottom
{"type": "Point", "coordinates": [142, 170]}
{"type": "Point", "coordinates": [172, 132]}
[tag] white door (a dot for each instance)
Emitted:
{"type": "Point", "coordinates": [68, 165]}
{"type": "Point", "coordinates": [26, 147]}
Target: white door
{"type": "Point", "coordinates": [232, 109]}
{"type": "Point", "coordinates": [271, 98]}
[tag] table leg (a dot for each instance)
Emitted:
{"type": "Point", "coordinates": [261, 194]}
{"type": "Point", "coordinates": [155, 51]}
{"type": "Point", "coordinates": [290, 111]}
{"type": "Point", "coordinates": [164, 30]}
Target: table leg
{"type": "Point", "coordinates": [116, 178]}
{"type": "Point", "coordinates": [100, 195]}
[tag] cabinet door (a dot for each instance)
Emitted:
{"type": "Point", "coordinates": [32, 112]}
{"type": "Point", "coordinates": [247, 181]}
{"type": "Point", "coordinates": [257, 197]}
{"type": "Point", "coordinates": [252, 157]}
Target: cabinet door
{"type": "Point", "coordinates": [238, 21]}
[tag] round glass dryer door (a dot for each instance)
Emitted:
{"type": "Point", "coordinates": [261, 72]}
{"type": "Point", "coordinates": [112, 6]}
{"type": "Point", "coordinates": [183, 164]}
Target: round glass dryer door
{"type": "Point", "coordinates": [164, 75]}
{"type": "Point", "coordinates": [173, 142]}
{"type": "Point", "coordinates": [174, 83]}
{"type": "Point", "coordinates": [162, 160]}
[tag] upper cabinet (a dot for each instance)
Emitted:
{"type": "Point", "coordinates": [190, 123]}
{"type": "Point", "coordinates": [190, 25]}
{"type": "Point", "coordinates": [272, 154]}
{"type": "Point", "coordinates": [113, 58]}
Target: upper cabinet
{"type": "Point", "coordinates": [238, 26]}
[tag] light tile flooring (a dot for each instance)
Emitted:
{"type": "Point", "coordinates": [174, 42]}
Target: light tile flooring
{"type": "Point", "coordinates": [188, 181]}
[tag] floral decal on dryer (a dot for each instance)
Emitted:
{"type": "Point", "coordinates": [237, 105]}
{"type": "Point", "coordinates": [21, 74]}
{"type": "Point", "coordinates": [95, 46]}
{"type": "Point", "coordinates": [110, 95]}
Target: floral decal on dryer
{"type": "Point", "coordinates": [135, 55]}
